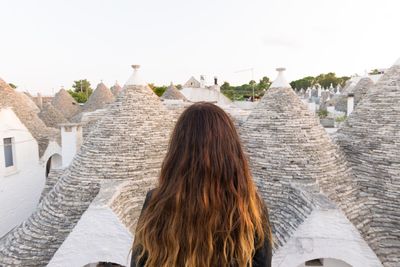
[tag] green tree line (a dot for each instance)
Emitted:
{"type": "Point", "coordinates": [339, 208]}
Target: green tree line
{"type": "Point", "coordinates": [245, 91]}
{"type": "Point", "coordinates": [325, 80]}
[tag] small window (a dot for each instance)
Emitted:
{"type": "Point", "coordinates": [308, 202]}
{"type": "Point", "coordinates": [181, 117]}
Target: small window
{"type": "Point", "coordinates": [8, 152]}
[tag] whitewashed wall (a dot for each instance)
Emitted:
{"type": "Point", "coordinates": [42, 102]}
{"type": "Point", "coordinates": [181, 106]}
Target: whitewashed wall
{"type": "Point", "coordinates": [326, 234]}
{"type": "Point", "coordinates": [20, 189]}
{"type": "Point", "coordinates": [205, 94]}
{"type": "Point", "coordinates": [98, 236]}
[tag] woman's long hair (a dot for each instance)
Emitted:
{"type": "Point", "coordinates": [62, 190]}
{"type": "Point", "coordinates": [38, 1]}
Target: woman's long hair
{"type": "Point", "coordinates": [206, 210]}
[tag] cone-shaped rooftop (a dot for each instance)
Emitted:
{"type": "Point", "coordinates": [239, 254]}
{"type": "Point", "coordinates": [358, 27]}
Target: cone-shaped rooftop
{"type": "Point", "coordinates": [100, 97]}
{"type": "Point", "coordinates": [173, 93]}
{"type": "Point", "coordinates": [26, 110]}
{"type": "Point", "coordinates": [361, 89]}
{"type": "Point", "coordinates": [370, 138]}
{"type": "Point", "coordinates": [116, 89]}
{"type": "Point", "coordinates": [51, 116]}
{"type": "Point", "coordinates": [66, 104]}
{"type": "Point", "coordinates": [128, 145]}
{"type": "Point", "coordinates": [291, 157]}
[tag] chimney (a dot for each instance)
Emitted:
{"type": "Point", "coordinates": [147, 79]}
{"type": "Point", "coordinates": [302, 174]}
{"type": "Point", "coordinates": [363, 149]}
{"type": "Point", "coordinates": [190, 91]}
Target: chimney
{"type": "Point", "coordinates": [338, 88]}
{"type": "Point", "coordinates": [350, 104]}
{"type": "Point", "coordinates": [202, 81]}
{"type": "Point", "coordinates": [215, 80]}
{"type": "Point", "coordinates": [71, 141]}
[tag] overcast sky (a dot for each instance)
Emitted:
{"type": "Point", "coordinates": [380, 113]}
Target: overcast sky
{"type": "Point", "coordinates": [46, 44]}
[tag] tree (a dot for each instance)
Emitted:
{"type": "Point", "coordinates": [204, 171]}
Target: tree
{"type": "Point", "coordinates": [82, 86]}
{"type": "Point", "coordinates": [245, 91]}
{"type": "Point", "coordinates": [303, 83]}
{"type": "Point", "coordinates": [80, 97]}
{"type": "Point", "coordinates": [263, 84]}
{"type": "Point", "coordinates": [374, 72]}
{"type": "Point", "coordinates": [158, 90]}
{"type": "Point", "coordinates": [13, 86]}
{"type": "Point", "coordinates": [325, 80]}
{"type": "Point", "coordinates": [82, 90]}
{"type": "Point", "coordinates": [225, 86]}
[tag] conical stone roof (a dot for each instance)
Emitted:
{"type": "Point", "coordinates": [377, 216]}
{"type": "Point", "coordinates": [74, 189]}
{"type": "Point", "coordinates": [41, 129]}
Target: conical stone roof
{"type": "Point", "coordinates": [51, 116]}
{"type": "Point", "coordinates": [26, 110]}
{"type": "Point", "coordinates": [173, 93]}
{"type": "Point", "coordinates": [127, 146]}
{"type": "Point", "coordinates": [66, 104]}
{"type": "Point", "coordinates": [100, 97]}
{"type": "Point", "coordinates": [292, 159]}
{"type": "Point", "coordinates": [361, 89]}
{"type": "Point", "coordinates": [116, 89]}
{"type": "Point", "coordinates": [370, 138]}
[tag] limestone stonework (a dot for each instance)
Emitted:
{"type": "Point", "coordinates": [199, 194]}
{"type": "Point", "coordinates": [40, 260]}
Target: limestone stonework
{"type": "Point", "coordinates": [26, 110]}
{"type": "Point", "coordinates": [370, 138]}
{"type": "Point", "coordinates": [292, 160]}
{"type": "Point", "coordinates": [173, 93]}
{"type": "Point", "coordinates": [127, 147]}
{"type": "Point", "coordinates": [361, 89]}
{"type": "Point", "coordinates": [116, 89]}
{"type": "Point", "coordinates": [66, 104]}
{"type": "Point", "coordinates": [51, 116]}
{"type": "Point", "coordinates": [100, 97]}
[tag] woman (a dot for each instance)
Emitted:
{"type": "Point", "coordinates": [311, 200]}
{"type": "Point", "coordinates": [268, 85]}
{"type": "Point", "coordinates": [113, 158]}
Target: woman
{"type": "Point", "coordinates": [205, 210]}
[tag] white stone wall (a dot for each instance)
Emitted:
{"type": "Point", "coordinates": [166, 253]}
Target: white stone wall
{"type": "Point", "coordinates": [53, 149]}
{"type": "Point", "coordinates": [71, 138]}
{"type": "Point", "coordinates": [205, 94]}
{"type": "Point", "coordinates": [20, 187]}
{"type": "Point", "coordinates": [326, 234]}
{"type": "Point", "coordinates": [98, 236]}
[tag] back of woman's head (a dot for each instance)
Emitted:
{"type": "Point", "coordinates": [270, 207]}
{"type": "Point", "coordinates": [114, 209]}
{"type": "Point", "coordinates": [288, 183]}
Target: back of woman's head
{"type": "Point", "coordinates": [205, 210]}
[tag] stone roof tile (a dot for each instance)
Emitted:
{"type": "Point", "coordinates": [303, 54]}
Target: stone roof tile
{"type": "Point", "coordinates": [127, 145]}
{"type": "Point", "coordinates": [370, 137]}
{"type": "Point", "coordinates": [26, 110]}
{"type": "Point", "coordinates": [100, 97]}
{"type": "Point", "coordinates": [66, 104]}
{"type": "Point", "coordinates": [292, 158]}
{"type": "Point", "coordinates": [173, 93]}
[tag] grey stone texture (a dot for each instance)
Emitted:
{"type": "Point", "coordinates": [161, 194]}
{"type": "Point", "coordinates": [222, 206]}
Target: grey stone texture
{"type": "Point", "coordinates": [51, 180]}
{"type": "Point", "coordinates": [51, 116]}
{"type": "Point", "coordinates": [66, 104]}
{"type": "Point", "coordinates": [127, 146]}
{"type": "Point", "coordinates": [173, 93]}
{"type": "Point", "coordinates": [361, 89]}
{"type": "Point", "coordinates": [292, 160]}
{"type": "Point", "coordinates": [27, 111]}
{"type": "Point", "coordinates": [116, 89]}
{"type": "Point", "coordinates": [370, 138]}
{"type": "Point", "coordinates": [89, 120]}
{"type": "Point", "coordinates": [100, 97]}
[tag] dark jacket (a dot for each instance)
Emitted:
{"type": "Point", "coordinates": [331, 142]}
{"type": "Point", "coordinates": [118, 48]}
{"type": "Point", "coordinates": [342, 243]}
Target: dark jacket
{"type": "Point", "coordinates": [262, 257]}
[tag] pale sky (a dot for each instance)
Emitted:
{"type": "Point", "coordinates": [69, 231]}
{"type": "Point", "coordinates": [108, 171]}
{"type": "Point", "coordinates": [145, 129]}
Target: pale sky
{"type": "Point", "coordinates": [46, 44]}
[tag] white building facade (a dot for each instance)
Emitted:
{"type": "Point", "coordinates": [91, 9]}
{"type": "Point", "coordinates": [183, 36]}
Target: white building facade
{"type": "Point", "coordinates": [22, 172]}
